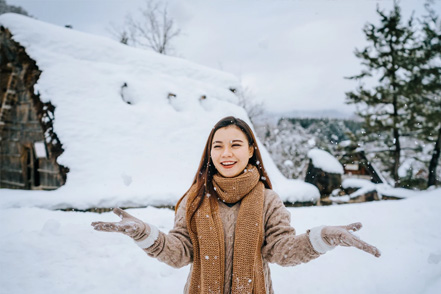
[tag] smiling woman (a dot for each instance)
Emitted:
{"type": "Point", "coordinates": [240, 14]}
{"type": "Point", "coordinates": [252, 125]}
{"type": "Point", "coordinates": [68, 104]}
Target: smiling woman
{"type": "Point", "coordinates": [230, 224]}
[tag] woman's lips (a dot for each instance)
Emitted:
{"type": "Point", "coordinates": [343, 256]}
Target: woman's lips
{"type": "Point", "coordinates": [228, 164]}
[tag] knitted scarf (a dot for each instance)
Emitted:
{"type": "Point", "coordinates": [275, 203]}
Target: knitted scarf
{"type": "Point", "coordinates": [209, 244]}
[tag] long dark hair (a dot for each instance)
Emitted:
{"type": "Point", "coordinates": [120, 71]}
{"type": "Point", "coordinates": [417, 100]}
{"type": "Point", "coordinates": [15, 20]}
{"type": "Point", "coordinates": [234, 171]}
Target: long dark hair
{"type": "Point", "coordinates": [202, 183]}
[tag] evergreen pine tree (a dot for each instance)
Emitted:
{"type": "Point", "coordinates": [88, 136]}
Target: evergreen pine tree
{"type": "Point", "coordinates": [425, 118]}
{"type": "Point", "coordinates": [389, 57]}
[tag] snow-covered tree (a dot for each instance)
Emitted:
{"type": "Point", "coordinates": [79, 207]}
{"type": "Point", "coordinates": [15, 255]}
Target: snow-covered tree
{"type": "Point", "coordinates": [290, 139]}
{"type": "Point", "coordinates": [389, 58]}
{"type": "Point", "coordinates": [425, 119]}
{"type": "Point", "coordinates": [288, 145]}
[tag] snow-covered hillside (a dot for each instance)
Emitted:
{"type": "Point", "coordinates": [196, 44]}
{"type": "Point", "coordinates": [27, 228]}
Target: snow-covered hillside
{"type": "Point", "coordinates": [145, 152]}
{"type": "Point", "coordinates": [51, 252]}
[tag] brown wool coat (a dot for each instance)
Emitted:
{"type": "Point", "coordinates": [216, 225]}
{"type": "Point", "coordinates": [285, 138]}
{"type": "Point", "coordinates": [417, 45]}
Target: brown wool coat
{"type": "Point", "coordinates": [280, 244]}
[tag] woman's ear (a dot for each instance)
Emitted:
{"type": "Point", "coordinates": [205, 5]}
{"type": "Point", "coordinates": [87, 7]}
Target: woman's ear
{"type": "Point", "coordinates": [250, 151]}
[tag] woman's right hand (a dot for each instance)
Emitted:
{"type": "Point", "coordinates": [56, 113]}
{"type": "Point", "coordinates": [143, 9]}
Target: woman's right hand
{"type": "Point", "coordinates": [129, 225]}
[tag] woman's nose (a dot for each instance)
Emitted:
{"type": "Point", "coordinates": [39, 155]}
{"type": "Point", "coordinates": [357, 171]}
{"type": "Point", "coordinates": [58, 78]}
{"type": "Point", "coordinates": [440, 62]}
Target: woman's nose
{"type": "Point", "coordinates": [226, 152]}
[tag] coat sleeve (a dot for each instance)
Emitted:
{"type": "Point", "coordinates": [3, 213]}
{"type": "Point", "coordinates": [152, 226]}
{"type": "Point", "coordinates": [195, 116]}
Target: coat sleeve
{"type": "Point", "coordinates": [281, 244]}
{"type": "Point", "coordinates": [174, 248]}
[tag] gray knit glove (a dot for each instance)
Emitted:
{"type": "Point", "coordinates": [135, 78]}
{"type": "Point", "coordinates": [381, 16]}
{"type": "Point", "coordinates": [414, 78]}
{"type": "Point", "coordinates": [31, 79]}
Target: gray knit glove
{"type": "Point", "coordinates": [129, 225]}
{"type": "Point", "coordinates": [325, 238]}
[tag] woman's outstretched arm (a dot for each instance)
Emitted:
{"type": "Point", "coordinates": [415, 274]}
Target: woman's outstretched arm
{"type": "Point", "coordinates": [281, 244]}
{"type": "Point", "coordinates": [174, 248]}
{"type": "Point", "coordinates": [284, 247]}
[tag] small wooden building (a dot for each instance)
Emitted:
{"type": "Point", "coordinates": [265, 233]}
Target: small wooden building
{"type": "Point", "coordinates": [29, 146]}
{"type": "Point", "coordinates": [326, 182]}
{"type": "Point", "coordinates": [324, 171]}
{"type": "Point", "coordinates": [356, 165]}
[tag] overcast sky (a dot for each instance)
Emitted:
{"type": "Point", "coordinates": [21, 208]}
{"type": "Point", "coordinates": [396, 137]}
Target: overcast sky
{"type": "Point", "coordinates": [292, 54]}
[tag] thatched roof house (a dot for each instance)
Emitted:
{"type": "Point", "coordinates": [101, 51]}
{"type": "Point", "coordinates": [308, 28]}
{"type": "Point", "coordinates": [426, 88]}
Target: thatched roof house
{"type": "Point", "coordinates": [128, 124]}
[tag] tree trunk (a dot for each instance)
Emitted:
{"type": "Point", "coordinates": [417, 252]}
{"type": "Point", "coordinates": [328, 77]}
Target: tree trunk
{"type": "Point", "coordinates": [397, 154]}
{"type": "Point", "coordinates": [434, 161]}
{"type": "Point", "coordinates": [396, 135]}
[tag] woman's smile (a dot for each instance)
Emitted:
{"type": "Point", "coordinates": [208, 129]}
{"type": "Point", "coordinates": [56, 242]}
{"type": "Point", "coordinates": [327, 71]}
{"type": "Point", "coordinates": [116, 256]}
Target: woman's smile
{"type": "Point", "coordinates": [228, 164]}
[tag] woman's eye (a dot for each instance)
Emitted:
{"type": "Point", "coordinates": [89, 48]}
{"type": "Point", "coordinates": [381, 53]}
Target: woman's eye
{"type": "Point", "coordinates": [216, 147]}
{"type": "Point", "coordinates": [236, 145]}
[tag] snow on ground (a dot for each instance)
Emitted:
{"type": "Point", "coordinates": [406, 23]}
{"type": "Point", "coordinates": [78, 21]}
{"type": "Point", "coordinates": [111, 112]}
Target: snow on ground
{"type": "Point", "coordinates": [44, 251]}
{"type": "Point", "coordinates": [366, 186]}
{"type": "Point", "coordinates": [119, 154]}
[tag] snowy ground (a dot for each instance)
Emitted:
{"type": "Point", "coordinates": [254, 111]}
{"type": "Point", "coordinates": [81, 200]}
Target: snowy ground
{"type": "Point", "coordinates": [44, 251]}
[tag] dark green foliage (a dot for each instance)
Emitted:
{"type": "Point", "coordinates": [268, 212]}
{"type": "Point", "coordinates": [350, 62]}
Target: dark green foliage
{"type": "Point", "coordinates": [425, 121]}
{"type": "Point", "coordinates": [402, 110]}
{"type": "Point", "coordinates": [389, 59]}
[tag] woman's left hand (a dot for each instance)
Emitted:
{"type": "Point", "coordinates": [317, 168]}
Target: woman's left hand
{"type": "Point", "coordinates": [341, 235]}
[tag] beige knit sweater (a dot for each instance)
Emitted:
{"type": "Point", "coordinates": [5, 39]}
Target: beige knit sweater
{"type": "Point", "coordinates": [280, 244]}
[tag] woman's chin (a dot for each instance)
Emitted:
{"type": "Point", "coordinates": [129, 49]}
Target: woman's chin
{"type": "Point", "coordinates": [230, 172]}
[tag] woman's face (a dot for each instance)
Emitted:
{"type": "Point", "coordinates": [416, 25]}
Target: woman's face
{"type": "Point", "coordinates": [230, 151]}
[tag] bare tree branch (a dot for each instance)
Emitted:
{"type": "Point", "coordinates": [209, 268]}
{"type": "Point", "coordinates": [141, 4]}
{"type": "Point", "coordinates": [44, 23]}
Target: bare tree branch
{"type": "Point", "coordinates": [153, 28]}
{"type": "Point", "coordinates": [255, 109]}
{"type": "Point", "coordinates": [120, 33]}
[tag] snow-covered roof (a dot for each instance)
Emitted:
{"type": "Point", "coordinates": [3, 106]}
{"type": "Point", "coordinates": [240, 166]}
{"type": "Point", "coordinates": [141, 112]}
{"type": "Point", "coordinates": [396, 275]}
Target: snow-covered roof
{"type": "Point", "coordinates": [143, 153]}
{"type": "Point", "coordinates": [325, 161]}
